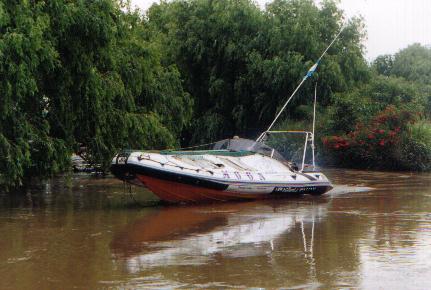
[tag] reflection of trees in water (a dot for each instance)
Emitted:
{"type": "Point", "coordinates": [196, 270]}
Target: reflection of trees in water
{"type": "Point", "coordinates": [77, 192]}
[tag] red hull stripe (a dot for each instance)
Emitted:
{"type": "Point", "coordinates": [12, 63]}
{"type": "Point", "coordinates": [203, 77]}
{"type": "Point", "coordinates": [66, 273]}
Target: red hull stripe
{"type": "Point", "coordinates": [179, 192]}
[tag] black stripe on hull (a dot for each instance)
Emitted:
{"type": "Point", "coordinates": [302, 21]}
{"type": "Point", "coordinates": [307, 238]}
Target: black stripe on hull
{"type": "Point", "coordinates": [128, 172]}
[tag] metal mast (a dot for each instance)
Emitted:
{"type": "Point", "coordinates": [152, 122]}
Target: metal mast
{"type": "Point", "coordinates": [309, 74]}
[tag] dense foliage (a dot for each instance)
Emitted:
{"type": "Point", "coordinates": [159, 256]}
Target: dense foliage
{"type": "Point", "coordinates": [385, 123]}
{"type": "Point", "coordinates": [79, 73]}
{"type": "Point", "coordinates": [99, 75]}
{"type": "Point", "coordinates": [240, 62]}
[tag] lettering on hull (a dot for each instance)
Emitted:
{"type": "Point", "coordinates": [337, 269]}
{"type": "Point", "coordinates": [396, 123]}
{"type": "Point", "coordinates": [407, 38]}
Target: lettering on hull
{"type": "Point", "coordinates": [307, 189]}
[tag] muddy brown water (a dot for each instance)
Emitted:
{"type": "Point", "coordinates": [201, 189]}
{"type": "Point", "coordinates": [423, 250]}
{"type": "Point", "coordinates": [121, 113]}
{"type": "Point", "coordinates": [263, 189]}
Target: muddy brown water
{"type": "Point", "coordinates": [373, 231]}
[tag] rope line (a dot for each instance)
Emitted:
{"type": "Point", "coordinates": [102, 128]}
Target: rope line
{"type": "Point", "coordinates": [309, 74]}
{"type": "Point", "coordinates": [175, 165]}
{"type": "Point", "coordinates": [195, 146]}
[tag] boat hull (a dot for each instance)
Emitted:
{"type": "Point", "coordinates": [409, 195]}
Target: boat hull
{"type": "Point", "coordinates": [175, 192]}
{"type": "Point", "coordinates": [174, 187]}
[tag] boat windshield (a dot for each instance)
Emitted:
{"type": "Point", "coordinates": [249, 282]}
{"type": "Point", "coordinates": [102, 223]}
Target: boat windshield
{"type": "Point", "coordinates": [240, 144]}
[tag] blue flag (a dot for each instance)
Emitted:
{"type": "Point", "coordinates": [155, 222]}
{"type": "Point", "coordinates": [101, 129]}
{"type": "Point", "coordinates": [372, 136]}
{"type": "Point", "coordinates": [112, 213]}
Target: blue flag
{"type": "Point", "coordinates": [312, 70]}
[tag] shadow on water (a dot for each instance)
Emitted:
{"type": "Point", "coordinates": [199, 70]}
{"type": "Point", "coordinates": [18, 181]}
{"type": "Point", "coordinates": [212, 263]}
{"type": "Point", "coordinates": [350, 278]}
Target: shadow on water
{"type": "Point", "coordinates": [82, 192]}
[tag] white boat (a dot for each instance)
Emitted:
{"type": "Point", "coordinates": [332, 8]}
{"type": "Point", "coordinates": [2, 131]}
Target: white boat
{"type": "Point", "coordinates": [234, 168]}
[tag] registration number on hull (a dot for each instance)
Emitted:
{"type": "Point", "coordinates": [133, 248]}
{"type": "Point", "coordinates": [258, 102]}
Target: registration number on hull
{"type": "Point", "coordinates": [294, 189]}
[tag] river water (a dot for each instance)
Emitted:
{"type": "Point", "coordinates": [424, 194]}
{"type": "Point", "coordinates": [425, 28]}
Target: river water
{"type": "Point", "coordinates": [373, 231]}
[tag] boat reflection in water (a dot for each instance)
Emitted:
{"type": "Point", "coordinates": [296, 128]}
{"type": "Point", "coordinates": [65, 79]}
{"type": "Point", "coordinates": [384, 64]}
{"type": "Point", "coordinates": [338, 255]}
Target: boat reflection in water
{"type": "Point", "coordinates": [201, 234]}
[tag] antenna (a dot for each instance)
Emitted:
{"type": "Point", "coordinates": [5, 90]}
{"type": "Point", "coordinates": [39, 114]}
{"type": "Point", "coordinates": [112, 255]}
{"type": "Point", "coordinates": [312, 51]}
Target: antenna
{"type": "Point", "coordinates": [314, 124]}
{"type": "Point", "coordinates": [309, 74]}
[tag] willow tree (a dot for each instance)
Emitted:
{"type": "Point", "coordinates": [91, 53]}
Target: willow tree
{"type": "Point", "coordinates": [239, 61]}
{"type": "Point", "coordinates": [26, 146]}
{"type": "Point", "coordinates": [110, 90]}
{"type": "Point", "coordinates": [80, 73]}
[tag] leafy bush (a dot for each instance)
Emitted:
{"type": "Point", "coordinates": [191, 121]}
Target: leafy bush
{"type": "Point", "coordinates": [364, 102]}
{"type": "Point", "coordinates": [416, 147]}
{"type": "Point", "coordinates": [394, 139]}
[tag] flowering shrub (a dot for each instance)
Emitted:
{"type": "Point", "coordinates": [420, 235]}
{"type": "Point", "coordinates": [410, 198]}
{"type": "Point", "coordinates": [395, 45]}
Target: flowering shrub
{"type": "Point", "coordinates": [376, 144]}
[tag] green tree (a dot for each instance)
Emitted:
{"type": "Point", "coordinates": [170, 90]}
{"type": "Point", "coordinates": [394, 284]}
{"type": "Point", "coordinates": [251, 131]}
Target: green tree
{"type": "Point", "coordinates": [80, 73]}
{"type": "Point", "coordinates": [413, 63]}
{"type": "Point", "coordinates": [361, 104]}
{"type": "Point", "coordinates": [111, 90]}
{"type": "Point", "coordinates": [26, 147]}
{"type": "Point", "coordinates": [239, 62]}
{"type": "Point", "coordinates": [383, 64]}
